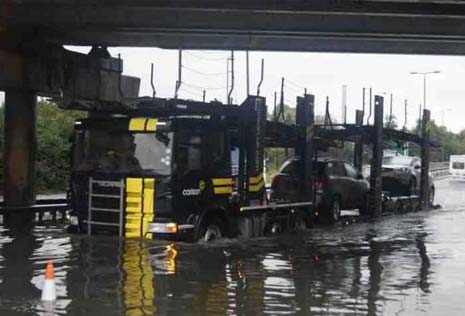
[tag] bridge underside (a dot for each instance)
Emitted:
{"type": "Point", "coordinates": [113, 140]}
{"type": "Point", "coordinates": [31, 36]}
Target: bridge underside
{"type": "Point", "coordinates": [366, 26]}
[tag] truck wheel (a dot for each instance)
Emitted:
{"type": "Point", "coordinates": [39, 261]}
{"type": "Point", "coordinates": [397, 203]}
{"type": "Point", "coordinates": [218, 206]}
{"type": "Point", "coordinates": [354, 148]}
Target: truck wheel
{"type": "Point", "coordinates": [212, 230]}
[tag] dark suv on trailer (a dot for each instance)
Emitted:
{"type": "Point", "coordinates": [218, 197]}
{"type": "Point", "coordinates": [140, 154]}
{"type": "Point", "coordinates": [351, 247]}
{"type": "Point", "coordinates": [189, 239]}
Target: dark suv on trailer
{"type": "Point", "coordinates": [337, 185]}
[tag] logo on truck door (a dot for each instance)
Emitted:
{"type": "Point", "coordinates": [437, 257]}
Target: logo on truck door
{"type": "Point", "coordinates": [190, 192]}
{"type": "Point", "coordinates": [194, 191]}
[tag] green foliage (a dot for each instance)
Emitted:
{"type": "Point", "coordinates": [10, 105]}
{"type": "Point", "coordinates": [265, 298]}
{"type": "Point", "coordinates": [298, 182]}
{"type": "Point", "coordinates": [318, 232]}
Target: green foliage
{"type": "Point", "coordinates": [390, 121]}
{"type": "Point", "coordinates": [54, 131]}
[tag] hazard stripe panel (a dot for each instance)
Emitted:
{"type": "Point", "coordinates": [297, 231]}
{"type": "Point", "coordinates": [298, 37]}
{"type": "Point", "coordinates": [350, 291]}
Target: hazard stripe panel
{"type": "Point", "coordinates": [222, 190]}
{"type": "Point", "coordinates": [137, 124]}
{"type": "Point", "coordinates": [151, 125]}
{"type": "Point", "coordinates": [222, 181]}
{"type": "Point", "coordinates": [133, 207]}
{"type": "Point", "coordinates": [142, 124]}
{"type": "Point", "coordinates": [140, 208]}
{"type": "Point", "coordinates": [256, 183]}
{"type": "Point", "coordinates": [148, 209]}
{"type": "Point", "coordinates": [256, 187]}
{"type": "Point", "coordinates": [257, 179]}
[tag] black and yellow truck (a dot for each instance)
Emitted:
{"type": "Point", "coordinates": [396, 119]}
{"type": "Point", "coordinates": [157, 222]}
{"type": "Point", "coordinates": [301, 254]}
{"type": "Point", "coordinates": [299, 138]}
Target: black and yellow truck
{"type": "Point", "coordinates": [181, 169]}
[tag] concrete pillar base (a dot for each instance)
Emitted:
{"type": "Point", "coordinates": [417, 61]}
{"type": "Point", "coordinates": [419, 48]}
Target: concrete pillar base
{"type": "Point", "coordinates": [20, 142]}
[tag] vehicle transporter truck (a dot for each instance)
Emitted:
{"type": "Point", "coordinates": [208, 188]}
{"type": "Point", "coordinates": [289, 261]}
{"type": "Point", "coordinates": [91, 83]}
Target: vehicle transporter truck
{"type": "Point", "coordinates": [186, 170]}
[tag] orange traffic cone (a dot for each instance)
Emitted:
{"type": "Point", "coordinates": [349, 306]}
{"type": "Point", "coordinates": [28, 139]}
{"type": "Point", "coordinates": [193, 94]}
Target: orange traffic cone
{"type": "Point", "coordinates": [48, 290]}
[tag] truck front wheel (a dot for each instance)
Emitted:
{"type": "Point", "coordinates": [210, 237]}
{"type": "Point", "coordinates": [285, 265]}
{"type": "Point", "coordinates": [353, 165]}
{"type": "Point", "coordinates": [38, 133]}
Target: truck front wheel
{"type": "Point", "coordinates": [211, 230]}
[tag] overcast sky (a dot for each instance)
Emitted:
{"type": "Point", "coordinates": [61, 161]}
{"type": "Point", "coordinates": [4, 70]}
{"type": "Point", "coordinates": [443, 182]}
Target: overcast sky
{"type": "Point", "coordinates": [322, 74]}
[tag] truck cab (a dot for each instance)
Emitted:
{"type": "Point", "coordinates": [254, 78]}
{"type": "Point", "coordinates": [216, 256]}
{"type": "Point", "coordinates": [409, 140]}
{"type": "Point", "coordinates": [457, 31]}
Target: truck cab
{"type": "Point", "coordinates": [182, 163]}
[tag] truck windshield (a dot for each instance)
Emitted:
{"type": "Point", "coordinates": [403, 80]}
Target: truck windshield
{"type": "Point", "coordinates": [122, 152]}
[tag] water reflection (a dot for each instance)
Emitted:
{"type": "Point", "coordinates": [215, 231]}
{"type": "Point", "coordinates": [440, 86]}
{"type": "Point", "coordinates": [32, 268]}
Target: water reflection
{"type": "Point", "coordinates": [425, 265]}
{"type": "Point", "coordinates": [384, 268]}
{"type": "Point", "coordinates": [376, 270]}
{"type": "Point", "coordinates": [137, 279]}
{"type": "Point", "coordinates": [18, 244]}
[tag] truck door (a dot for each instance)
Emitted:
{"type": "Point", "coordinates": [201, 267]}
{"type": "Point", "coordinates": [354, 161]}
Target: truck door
{"type": "Point", "coordinates": [202, 167]}
{"type": "Point", "coordinates": [189, 161]}
{"type": "Point", "coordinates": [219, 169]}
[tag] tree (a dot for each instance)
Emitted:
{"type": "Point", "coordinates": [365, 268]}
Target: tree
{"type": "Point", "coordinates": [54, 129]}
{"type": "Point", "coordinates": [390, 121]}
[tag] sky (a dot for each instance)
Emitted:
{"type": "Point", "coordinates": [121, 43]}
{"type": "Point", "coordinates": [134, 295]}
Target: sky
{"type": "Point", "coordinates": [322, 74]}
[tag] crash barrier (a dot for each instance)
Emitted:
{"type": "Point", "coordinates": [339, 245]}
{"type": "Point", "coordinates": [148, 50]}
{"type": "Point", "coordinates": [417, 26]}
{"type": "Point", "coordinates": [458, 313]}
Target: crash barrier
{"type": "Point", "coordinates": [45, 210]}
{"type": "Point", "coordinates": [401, 204]}
{"type": "Point", "coordinates": [440, 173]}
{"type": "Point", "coordinates": [439, 169]}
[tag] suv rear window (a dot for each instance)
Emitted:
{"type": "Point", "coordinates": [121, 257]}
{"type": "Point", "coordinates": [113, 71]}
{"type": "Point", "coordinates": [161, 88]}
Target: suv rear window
{"type": "Point", "coordinates": [458, 165]}
{"type": "Point", "coordinates": [291, 167]}
{"type": "Point", "coordinates": [336, 168]}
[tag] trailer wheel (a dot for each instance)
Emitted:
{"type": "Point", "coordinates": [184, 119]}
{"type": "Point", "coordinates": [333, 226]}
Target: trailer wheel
{"type": "Point", "coordinates": [399, 207]}
{"type": "Point", "coordinates": [301, 221]}
{"type": "Point", "coordinates": [364, 210]}
{"type": "Point", "coordinates": [212, 230]}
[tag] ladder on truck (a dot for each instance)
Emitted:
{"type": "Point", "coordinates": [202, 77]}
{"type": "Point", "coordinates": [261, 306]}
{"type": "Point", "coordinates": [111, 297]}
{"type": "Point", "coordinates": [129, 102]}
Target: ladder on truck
{"type": "Point", "coordinates": [92, 209]}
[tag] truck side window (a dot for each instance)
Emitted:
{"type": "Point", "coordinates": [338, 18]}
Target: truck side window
{"type": "Point", "coordinates": [188, 153]}
{"type": "Point", "coordinates": [217, 160]}
{"type": "Point", "coordinates": [234, 161]}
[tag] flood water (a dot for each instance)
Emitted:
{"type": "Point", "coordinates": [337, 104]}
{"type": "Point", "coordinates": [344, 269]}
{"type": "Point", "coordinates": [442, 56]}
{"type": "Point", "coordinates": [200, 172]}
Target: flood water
{"type": "Point", "coordinates": [409, 264]}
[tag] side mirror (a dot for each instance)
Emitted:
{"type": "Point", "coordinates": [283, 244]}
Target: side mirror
{"type": "Point", "coordinates": [417, 167]}
{"type": "Point", "coordinates": [359, 176]}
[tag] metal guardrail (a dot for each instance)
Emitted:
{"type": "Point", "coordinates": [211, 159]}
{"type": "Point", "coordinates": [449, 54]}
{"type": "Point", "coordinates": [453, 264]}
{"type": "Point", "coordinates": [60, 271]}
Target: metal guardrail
{"type": "Point", "coordinates": [440, 173]}
{"type": "Point", "coordinates": [44, 210]}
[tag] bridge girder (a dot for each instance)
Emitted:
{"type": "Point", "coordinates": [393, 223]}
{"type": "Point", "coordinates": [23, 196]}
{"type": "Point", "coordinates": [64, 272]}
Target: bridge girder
{"type": "Point", "coordinates": [368, 26]}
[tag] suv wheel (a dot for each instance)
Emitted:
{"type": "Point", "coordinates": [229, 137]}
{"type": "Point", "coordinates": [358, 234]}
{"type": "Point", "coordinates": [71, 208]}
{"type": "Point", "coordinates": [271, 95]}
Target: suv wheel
{"type": "Point", "coordinates": [335, 210]}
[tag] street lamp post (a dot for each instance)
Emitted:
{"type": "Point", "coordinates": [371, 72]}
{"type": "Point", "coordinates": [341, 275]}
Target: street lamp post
{"type": "Point", "coordinates": [424, 82]}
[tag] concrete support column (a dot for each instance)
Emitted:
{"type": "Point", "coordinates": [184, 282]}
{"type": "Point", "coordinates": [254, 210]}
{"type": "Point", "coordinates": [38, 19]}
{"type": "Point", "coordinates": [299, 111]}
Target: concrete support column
{"type": "Point", "coordinates": [376, 164]}
{"type": "Point", "coordinates": [20, 142]}
{"type": "Point", "coordinates": [425, 159]}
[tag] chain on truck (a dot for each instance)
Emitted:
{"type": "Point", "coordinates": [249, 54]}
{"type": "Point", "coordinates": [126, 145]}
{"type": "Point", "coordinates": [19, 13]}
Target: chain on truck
{"type": "Point", "coordinates": [186, 170]}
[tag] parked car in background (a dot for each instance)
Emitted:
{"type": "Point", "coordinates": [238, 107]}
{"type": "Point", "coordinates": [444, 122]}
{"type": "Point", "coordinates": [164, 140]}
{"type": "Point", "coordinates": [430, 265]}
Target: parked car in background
{"type": "Point", "coordinates": [337, 184]}
{"type": "Point", "coordinates": [401, 176]}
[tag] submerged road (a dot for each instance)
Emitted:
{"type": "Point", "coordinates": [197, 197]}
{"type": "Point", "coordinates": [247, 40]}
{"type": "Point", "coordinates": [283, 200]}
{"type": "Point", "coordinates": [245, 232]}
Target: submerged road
{"type": "Point", "coordinates": [398, 265]}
